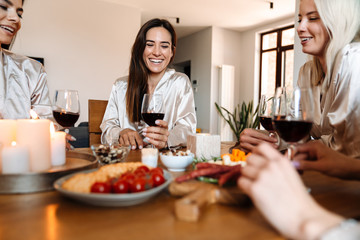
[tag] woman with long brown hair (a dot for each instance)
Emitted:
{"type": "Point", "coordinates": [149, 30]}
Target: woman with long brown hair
{"type": "Point", "coordinates": [153, 50]}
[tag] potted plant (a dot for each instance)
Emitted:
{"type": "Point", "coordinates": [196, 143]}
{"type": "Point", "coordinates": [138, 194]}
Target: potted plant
{"type": "Point", "coordinates": [242, 117]}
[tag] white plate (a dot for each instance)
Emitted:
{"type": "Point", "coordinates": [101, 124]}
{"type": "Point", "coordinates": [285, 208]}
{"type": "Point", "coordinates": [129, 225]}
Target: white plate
{"type": "Point", "coordinates": [112, 199]}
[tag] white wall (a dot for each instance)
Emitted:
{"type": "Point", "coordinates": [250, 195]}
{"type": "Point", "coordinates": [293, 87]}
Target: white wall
{"type": "Point", "coordinates": [207, 50]}
{"type": "Point", "coordinates": [197, 49]}
{"type": "Point", "coordinates": [226, 49]}
{"type": "Point", "coordinates": [86, 44]}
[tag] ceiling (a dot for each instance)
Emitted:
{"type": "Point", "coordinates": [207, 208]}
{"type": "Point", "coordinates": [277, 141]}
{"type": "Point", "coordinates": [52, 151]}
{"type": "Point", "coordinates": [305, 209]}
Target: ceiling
{"type": "Point", "coordinates": [195, 15]}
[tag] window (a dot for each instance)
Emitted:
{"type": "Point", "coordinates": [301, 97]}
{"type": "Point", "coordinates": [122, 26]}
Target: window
{"type": "Point", "coordinates": [276, 60]}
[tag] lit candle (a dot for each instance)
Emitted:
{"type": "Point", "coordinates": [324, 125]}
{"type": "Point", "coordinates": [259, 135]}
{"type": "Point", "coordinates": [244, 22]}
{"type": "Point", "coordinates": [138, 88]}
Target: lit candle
{"type": "Point", "coordinates": [8, 131]}
{"type": "Point", "coordinates": [15, 159]}
{"type": "Point", "coordinates": [58, 156]}
{"type": "Point", "coordinates": [34, 134]}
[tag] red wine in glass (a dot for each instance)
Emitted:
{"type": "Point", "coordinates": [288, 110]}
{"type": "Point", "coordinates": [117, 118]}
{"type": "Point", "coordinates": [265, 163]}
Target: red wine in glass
{"type": "Point", "coordinates": [150, 118]}
{"type": "Point", "coordinates": [292, 131]}
{"type": "Point", "coordinates": [66, 108]}
{"type": "Point", "coordinates": [66, 119]}
{"type": "Point", "coordinates": [266, 122]}
{"type": "Point", "coordinates": [152, 109]}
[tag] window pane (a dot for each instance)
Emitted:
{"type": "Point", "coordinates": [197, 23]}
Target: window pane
{"type": "Point", "coordinates": [269, 41]}
{"type": "Point", "coordinates": [268, 69]}
{"type": "Point", "coordinates": [288, 70]}
{"type": "Point", "coordinates": [287, 37]}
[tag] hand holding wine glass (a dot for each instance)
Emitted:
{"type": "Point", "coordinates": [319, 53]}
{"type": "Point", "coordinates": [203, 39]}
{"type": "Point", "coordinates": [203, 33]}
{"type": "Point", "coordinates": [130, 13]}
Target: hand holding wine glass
{"type": "Point", "coordinates": [293, 116]}
{"type": "Point", "coordinates": [151, 110]}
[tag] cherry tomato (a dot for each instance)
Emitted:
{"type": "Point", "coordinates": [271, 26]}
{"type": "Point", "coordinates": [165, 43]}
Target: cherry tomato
{"type": "Point", "coordinates": [144, 168]}
{"type": "Point", "coordinates": [120, 186]}
{"type": "Point", "coordinates": [156, 170]}
{"type": "Point", "coordinates": [158, 179]}
{"type": "Point", "coordinates": [128, 177]}
{"type": "Point", "coordinates": [138, 185]}
{"type": "Point", "coordinates": [101, 187]}
{"type": "Point", "coordinates": [139, 173]}
{"type": "Point", "coordinates": [149, 183]}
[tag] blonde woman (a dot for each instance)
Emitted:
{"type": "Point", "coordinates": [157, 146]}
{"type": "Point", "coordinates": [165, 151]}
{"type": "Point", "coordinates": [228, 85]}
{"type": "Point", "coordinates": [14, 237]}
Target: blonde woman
{"type": "Point", "coordinates": [329, 33]}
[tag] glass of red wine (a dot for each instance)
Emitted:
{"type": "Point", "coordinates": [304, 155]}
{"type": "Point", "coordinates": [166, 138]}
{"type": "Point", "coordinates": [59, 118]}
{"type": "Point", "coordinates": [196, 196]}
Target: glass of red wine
{"type": "Point", "coordinates": [293, 115]}
{"type": "Point", "coordinates": [152, 109]}
{"type": "Point", "coordinates": [265, 114]}
{"type": "Point", "coordinates": [66, 108]}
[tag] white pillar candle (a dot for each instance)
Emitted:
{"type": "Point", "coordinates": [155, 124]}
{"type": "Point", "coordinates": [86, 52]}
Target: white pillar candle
{"type": "Point", "coordinates": [204, 145]}
{"type": "Point", "coordinates": [15, 159]}
{"type": "Point", "coordinates": [35, 135]}
{"type": "Point", "coordinates": [7, 133]}
{"type": "Point", "coordinates": [58, 155]}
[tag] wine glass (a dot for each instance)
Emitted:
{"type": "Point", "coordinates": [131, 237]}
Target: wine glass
{"type": "Point", "coordinates": [265, 114]}
{"type": "Point", "coordinates": [43, 111]}
{"type": "Point", "coordinates": [293, 116]}
{"type": "Point", "coordinates": [66, 108]}
{"type": "Point", "coordinates": [152, 109]}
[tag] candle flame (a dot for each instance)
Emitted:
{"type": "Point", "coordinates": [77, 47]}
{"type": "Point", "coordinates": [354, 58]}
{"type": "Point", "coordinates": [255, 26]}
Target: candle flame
{"type": "Point", "coordinates": [33, 114]}
{"type": "Point", "coordinates": [13, 143]}
{"type": "Point", "coordinates": [52, 128]}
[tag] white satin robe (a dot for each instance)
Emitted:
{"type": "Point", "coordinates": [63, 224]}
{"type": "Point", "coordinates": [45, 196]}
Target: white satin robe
{"type": "Point", "coordinates": [337, 114]}
{"type": "Point", "coordinates": [178, 104]}
{"type": "Point", "coordinates": [22, 84]}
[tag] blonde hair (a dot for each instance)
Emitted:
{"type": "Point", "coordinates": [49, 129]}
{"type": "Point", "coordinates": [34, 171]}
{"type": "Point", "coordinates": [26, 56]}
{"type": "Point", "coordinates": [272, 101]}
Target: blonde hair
{"type": "Point", "coordinates": [341, 18]}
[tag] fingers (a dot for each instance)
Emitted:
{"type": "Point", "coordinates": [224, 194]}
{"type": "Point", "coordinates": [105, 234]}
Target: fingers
{"type": "Point", "coordinates": [69, 137]}
{"type": "Point", "coordinates": [161, 123]}
{"type": "Point", "coordinates": [69, 146]}
{"type": "Point", "coordinates": [250, 138]}
{"type": "Point", "coordinates": [157, 136]}
{"type": "Point", "coordinates": [132, 138]}
{"type": "Point", "coordinates": [310, 148]}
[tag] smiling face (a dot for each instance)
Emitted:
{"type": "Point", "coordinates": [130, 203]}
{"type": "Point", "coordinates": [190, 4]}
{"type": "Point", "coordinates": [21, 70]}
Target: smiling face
{"type": "Point", "coordinates": [10, 19]}
{"type": "Point", "coordinates": [311, 30]}
{"type": "Point", "coordinates": [158, 52]}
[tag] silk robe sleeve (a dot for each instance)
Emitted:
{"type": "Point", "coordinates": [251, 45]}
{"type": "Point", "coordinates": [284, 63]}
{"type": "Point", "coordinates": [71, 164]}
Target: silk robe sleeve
{"type": "Point", "coordinates": [23, 84]}
{"type": "Point", "coordinates": [341, 104]}
{"type": "Point", "coordinates": [180, 114]}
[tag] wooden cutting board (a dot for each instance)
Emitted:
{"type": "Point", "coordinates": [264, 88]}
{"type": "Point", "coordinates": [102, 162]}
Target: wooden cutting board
{"type": "Point", "coordinates": [197, 195]}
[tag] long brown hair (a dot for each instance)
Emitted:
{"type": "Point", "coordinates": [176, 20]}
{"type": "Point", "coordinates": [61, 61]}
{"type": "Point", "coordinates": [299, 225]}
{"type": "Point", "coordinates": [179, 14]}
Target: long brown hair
{"type": "Point", "coordinates": [138, 72]}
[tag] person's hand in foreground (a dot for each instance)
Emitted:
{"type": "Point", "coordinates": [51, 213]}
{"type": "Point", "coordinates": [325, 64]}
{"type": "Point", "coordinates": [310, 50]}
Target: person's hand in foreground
{"type": "Point", "coordinates": [157, 135]}
{"type": "Point", "coordinates": [278, 192]}
{"type": "Point", "coordinates": [250, 138]}
{"type": "Point", "coordinates": [314, 155]}
{"type": "Point", "coordinates": [132, 138]}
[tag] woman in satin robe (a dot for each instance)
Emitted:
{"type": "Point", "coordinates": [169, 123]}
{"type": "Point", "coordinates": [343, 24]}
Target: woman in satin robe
{"type": "Point", "coordinates": [152, 52]}
{"type": "Point", "coordinates": [331, 38]}
{"type": "Point", "coordinates": [23, 80]}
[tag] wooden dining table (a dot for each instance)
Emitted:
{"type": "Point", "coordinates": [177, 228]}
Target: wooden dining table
{"type": "Point", "coordinates": [51, 216]}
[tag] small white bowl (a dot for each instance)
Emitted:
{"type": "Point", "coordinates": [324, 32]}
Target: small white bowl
{"type": "Point", "coordinates": [176, 163]}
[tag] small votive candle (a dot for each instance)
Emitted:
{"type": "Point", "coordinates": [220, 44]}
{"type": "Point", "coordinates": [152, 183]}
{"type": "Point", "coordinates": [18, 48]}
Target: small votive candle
{"type": "Point", "coordinates": [149, 156]}
{"type": "Point", "coordinates": [15, 159]}
{"type": "Point", "coordinates": [58, 155]}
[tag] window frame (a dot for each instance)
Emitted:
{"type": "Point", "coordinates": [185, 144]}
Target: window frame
{"type": "Point", "coordinates": [279, 52]}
